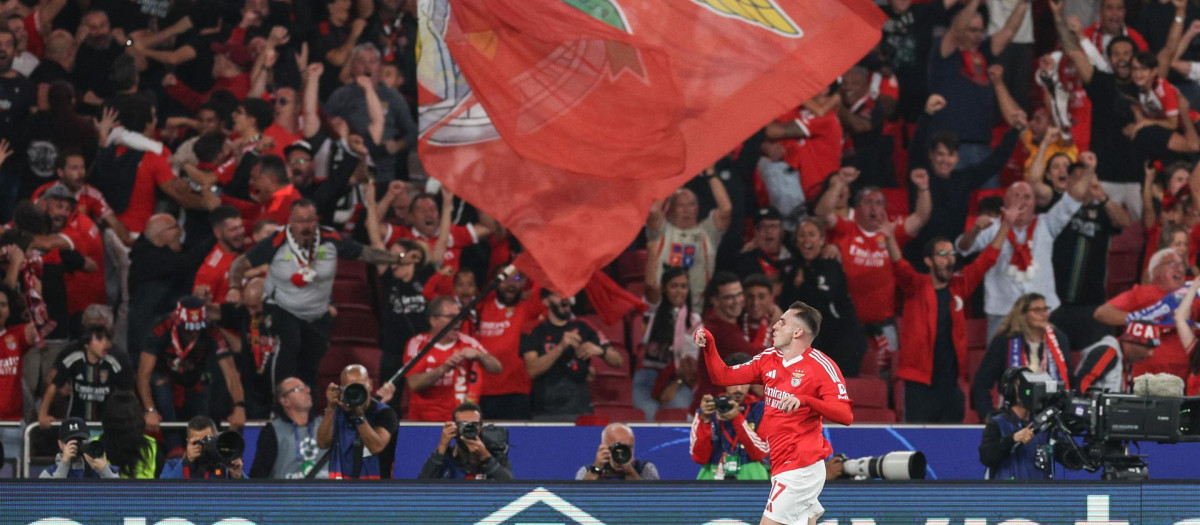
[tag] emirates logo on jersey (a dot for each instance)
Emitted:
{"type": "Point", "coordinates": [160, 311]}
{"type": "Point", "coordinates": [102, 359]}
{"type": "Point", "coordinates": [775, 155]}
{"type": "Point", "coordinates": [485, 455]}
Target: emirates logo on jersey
{"type": "Point", "coordinates": [796, 377]}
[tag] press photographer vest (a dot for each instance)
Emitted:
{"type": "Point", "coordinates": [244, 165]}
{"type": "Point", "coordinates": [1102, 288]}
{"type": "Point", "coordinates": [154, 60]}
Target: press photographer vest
{"type": "Point", "coordinates": [1020, 463]}
{"type": "Point", "coordinates": [348, 456]}
{"type": "Point", "coordinates": [296, 448]}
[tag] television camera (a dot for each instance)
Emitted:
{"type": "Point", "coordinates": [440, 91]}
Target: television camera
{"type": "Point", "coordinates": [1096, 427]}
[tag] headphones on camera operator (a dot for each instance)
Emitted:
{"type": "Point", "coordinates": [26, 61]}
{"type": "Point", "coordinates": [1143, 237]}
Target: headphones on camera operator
{"type": "Point", "coordinates": [1009, 389]}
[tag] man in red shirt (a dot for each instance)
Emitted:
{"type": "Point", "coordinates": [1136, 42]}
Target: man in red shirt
{"type": "Point", "coordinates": [865, 256]}
{"type": "Point", "coordinates": [1154, 303]}
{"type": "Point", "coordinates": [448, 375]}
{"type": "Point", "coordinates": [933, 353]}
{"type": "Point", "coordinates": [1111, 24]}
{"type": "Point", "coordinates": [801, 386]}
{"type": "Point", "coordinates": [275, 193]}
{"type": "Point", "coordinates": [503, 317]}
{"type": "Point", "coordinates": [212, 280]}
{"type": "Point", "coordinates": [15, 341]}
{"type": "Point", "coordinates": [425, 216]}
{"type": "Point", "coordinates": [815, 145]}
{"type": "Point", "coordinates": [726, 300]}
{"type": "Point", "coordinates": [73, 230]}
{"type": "Point", "coordinates": [89, 201]}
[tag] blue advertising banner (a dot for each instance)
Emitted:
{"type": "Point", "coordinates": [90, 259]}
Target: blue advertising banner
{"type": "Point", "coordinates": [692, 503]}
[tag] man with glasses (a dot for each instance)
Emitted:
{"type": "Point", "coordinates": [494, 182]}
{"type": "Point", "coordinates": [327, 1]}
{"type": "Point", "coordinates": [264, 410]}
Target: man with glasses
{"type": "Point", "coordinates": [303, 262]}
{"type": "Point", "coordinates": [725, 300]}
{"type": "Point", "coordinates": [449, 374]}
{"type": "Point", "coordinates": [503, 317]}
{"type": "Point", "coordinates": [933, 355]}
{"type": "Point", "coordinates": [558, 355]}
{"type": "Point", "coordinates": [287, 446]}
{"type": "Point", "coordinates": [1154, 303]}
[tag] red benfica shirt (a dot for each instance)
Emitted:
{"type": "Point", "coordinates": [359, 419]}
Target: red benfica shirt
{"type": "Point", "coordinates": [460, 238]}
{"type": "Point", "coordinates": [796, 440]}
{"type": "Point", "coordinates": [214, 273]}
{"type": "Point", "coordinates": [816, 155]}
{"type": "Point", "coordinates": [12, 350]}
{"type": "Point", "coordinates": [868, 269]}
{"type": "Point", "coordinates": [461, 384]}
{"type": "Point", "coordinates": [500, 329]}
{"type": "Point", "coordinates": [84, 289]}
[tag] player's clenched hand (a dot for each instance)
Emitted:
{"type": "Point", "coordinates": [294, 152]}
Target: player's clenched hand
{"type": "Point", "coordinates": [699, 338]}
{"type": "Point", "coordinates": [790, 404]}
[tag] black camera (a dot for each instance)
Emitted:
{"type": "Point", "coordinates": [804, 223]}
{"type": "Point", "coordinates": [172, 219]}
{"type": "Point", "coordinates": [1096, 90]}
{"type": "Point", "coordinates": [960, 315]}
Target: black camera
{"type": "Point", "coordinates": [468, 430]}
{"type": "Point", "coordinates": [724, 404]}
{"type": "Point", "coordinates": [94, 448]}
{"type": "Point", "coordinates": [220, 450]}
{"type": "Point", "coordinates": [621, 453]}
{"type": "Point", "coordinates": [354, 395]}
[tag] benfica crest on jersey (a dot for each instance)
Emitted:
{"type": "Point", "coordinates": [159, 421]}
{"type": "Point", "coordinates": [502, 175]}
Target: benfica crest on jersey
{"type": "Point", "coordinates": [796, 377]}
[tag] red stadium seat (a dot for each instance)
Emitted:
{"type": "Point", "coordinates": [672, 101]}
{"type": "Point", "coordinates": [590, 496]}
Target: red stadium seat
{"type": "Point", "coordinates": [348, 270]}
{"type": "Point", "coordinates": [873, 415]}
{"type": "Point", "coordinates": [977, 334]}
{"type": "Point", "coordinates": [672, 415]}
{"type": "Point", "coordinates": [591, 420]}
{"type": "Point", "coordinates": [619, 413]}
{"type": "Point", "coordinates": [351, 292]}
{"type": "Point", "coordinates": [868, 392]}
{"type": "Point", "coordinates": [355, 325]}
{"type": "Point", "coordinates": [615, 332]}
{"type": "Point", "coordinates": [631, 267]}
{"type": "Point", "coordinates": [612, 389]}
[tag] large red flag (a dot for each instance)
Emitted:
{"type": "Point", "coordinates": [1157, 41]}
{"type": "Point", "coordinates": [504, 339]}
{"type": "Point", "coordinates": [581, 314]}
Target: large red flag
{"type": "Point", "coordinates": [565, 119]}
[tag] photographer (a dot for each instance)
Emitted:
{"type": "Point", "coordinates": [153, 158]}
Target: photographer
{"type": "Point", "coordinates": [74, 445]}
{"type": "Point", "coordinates": [614, 457]}
{"type": "Point", "coordinates": [1010, 448]}
{"type": "Point", "coordinates": [287, 445]}
{"type": "Point", "coordinates": [479, 452]}
{"type": "Point", "coordinates": [726, 445]}
{"type": "Point", "coordinates": [355, 427]}
{"type": "Point", "coordinates": [201, 460]}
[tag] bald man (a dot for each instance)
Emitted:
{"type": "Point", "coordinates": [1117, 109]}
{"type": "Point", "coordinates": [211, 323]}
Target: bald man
{"type": "Point", "coordinates": [56, 65]}
{"type": "Point", "coordinates": [1024, 264]}
{"type": "Point", "coordinates": [163, 272]}
{"type": "Point", "coordinates": [355, 435]}
{"type": "Point", "coordinates": [255, 345]}
{"type": "Point", "coordinates": [617, 440]}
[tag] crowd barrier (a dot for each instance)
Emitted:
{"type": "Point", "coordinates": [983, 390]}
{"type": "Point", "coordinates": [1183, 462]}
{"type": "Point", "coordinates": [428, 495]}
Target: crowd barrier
{"type": "Point", "coordinates": [594, 503]}
{"type": "Point", "coordinates": [547, 451]}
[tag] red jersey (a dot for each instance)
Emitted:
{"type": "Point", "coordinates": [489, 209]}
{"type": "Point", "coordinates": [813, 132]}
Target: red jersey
{"type": "Point", "coordinates": [88, 200]}
{"type": "Point", "coordinates": [154, 170]}
{"type": "Point", "coordinates": [277, 208]}
{"type": "Point", "coordinates": [500, 329]}
{"type": "Point", "coordinates": [796, 440]}
{"type": "Point", "coordinates": [731, 339]}
{"type": "Point", "coordinates": [460, 238]}
{"type": "Point", "coordinates": [1160, 102]}
{"type": "Point", "coordinates": [1169, 357]}
{"type": "Point", "coordinates": [84, 289]}
{"type": "Point", "coordinates": [461, 384]}
{"type": "Point", "coordinates": [868, 269]}
{"type": "Point", "coordinates": [818, 153]}
{"type": "Point", "coordinates": [13, 345]}
{"type": "Point", "coordinates": [214, 273]}
{"type": "Point", "coordinates": [1101, 40]}
{"type": "Point", "coordinates": [283, 139]}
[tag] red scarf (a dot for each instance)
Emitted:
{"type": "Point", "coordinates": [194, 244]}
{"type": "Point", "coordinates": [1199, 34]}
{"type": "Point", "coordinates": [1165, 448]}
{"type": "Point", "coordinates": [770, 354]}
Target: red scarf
{"type": "Point", "coordinates": [1022, 255]}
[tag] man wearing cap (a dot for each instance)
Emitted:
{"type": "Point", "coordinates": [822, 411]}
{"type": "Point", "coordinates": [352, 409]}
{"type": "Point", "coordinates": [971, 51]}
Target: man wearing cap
{"type": "Point", "coordinates": [1154, 303]}
{"type": "Point", "coordinates": [766, 254]}
{"type": "Point", "coordinates": [177, 355]}
{"type": "Point", "coordinates": [72, 171]}
{"type": "Point", "coordinates": [341, 166]}
{"type": "Point", "coordinates": [72, 229]}
{"type": "Point", "coordinates": [70, 461]}
{"type": "Point", "coordinates": [1108, 364]}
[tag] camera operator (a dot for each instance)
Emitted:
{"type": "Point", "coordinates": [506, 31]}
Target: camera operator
{"type": "Point", "coordinates": [198, 461]}
{"type": "Point", "coordinates": [475, 454]}
{"type": "Point", "coordinates": [1011, 449]}
{"type": "Point", "coordinates": [73, 446]}
{"type": "Point", "coordinates": [1108, 364]}
{"type": "Point", "coordinates": [726, 445]}
{"type": "Point", "coordinates": [355, 428]}
{"type": "Point", "coordinates": [614, 457]}
{"type": "Point", "coordinates": [287, 445]}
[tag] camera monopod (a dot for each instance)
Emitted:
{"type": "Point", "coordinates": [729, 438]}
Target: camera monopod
{"type": "Point", "coordinates": [466, 310]}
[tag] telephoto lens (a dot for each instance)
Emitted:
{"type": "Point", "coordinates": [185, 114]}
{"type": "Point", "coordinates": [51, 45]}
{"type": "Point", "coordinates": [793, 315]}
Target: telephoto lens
{"type": "Point", "coordinates": [94, 449]}
{"type": "Point", "coordinates": [621, 453]}
{"type": "Point", "coordinates": [723, 404]}
{"type": "Point", "coordinates": [468, 430]}
{"type": "Point", "coordinates": [354, 395]}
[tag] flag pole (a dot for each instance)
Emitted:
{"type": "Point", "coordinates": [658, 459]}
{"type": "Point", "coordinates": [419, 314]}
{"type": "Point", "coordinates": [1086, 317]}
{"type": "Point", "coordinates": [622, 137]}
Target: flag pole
{"type": "Point", "coordinates": [466, 309]}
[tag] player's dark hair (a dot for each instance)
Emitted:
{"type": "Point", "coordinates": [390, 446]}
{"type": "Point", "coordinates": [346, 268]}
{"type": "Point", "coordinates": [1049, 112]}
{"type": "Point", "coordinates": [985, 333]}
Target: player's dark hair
{"type": "Point", "coordinates": [809, 315]}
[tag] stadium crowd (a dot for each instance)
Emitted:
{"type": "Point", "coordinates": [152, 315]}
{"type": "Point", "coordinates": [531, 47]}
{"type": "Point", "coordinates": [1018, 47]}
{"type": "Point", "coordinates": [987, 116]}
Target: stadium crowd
{"type": "Point", "coordinates": [214, 208]}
